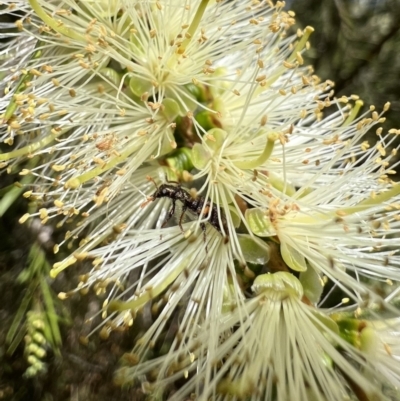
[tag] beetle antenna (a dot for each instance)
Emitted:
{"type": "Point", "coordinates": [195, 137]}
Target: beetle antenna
{"type": "Point", "coordinates": [148, 178]}
{"type": "Point", "coordinates": [149, 198]}
{"type": "Point", "coordinates": [146, 202]}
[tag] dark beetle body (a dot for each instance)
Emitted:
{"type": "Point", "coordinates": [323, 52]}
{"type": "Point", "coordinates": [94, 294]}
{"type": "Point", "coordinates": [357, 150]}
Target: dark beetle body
{"type": "Point", "coordinates": [198, 206]}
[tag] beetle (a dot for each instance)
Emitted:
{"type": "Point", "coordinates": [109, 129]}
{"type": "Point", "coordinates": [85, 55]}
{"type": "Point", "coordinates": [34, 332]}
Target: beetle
{"type": "Point", "coordinates": [198, 205]}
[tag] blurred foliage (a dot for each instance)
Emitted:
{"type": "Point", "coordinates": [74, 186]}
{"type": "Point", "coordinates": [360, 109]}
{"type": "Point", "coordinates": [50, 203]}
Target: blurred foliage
{"type": "Point", "coordinates": [356, 44]}
{"type": "Point", "coordinates": [36, 319]}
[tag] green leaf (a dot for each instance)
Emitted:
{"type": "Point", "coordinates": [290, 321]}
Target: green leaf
{"type": "Point", "coordinates": [14, 336]}
{"type": "Point", "coordinates": [111, 75]}
{"type": "Point", "coordinates": [139, 86]}
{"type": "Point", "coordinates": [254, 250]}
{"type": "Point", "coordinates": [215, 138]}
{"type": "Point", "coordinates": [293, 258]}
{"type": "Point", "coordinates": [51, 315]}
{"type": "Point", "coordinates": [14, 191]}
{"type": "Point", "coordinates": [325, 322]}
{"type": "Point", "coordinates": [171, 109]}
{"type": "Point", "coordinates": [200, 156]}
{"type": "Point", "coordinates": [312, 284]}
{"type": "Point", "coordinates": [259, 223]}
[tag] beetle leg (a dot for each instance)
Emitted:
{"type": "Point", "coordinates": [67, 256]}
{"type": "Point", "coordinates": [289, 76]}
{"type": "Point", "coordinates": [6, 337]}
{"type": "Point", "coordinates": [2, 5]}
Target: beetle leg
{"type": "Point", "coordinates": [181, 218]}
{"type": "Point", "coordinates": [204, 228]}
{"type": "Point", "coordinates": [170, 213]}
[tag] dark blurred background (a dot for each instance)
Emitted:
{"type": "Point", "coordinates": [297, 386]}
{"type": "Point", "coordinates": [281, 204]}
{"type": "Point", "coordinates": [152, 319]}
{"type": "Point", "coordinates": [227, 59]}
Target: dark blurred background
{"type": "Point", "coordinates": [356, 44]}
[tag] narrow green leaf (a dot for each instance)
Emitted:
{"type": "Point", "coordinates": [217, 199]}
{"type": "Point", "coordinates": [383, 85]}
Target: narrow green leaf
{"type": "Point", "coordinates": [51, 314]}
{"type": "Point", "coordinates": [19, 317]}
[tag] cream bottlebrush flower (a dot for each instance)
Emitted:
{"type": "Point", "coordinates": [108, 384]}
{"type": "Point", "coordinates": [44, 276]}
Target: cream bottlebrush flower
{"type": "Point", "coordinates": [238, 161]}
{"type": "Point", "coordinates": [107, 128]}
{"type": "Point", "coordinates": [140, 74]}
{"type": "Point", "coordinates": [138, 263]}
{"type": "Point", "coordinates": [346, 231]}
{"type": "Point", "coordinates": [110, 93]}
{"type": "Point", "coordinates": [382, 343]}
{"type": "Point", "coordinates": [137, 71]}
{"type": "Point", "coordinates": [81, 126]}
{"type": "Point", "coordinates": [113, 89]}
{"type": "Point", "coordinates": [275, 347]}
